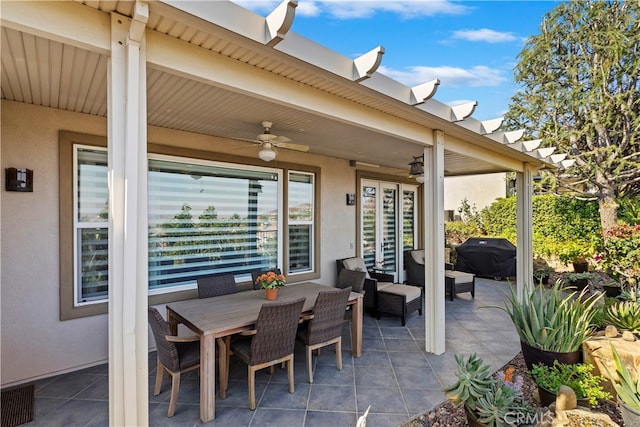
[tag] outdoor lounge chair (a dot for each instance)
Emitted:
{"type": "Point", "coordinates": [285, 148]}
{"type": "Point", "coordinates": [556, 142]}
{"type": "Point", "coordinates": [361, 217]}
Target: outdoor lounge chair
{"type": "Point", "coordinates": [455, 281]}
{"type": "Point", "coordinates": [382, 296]}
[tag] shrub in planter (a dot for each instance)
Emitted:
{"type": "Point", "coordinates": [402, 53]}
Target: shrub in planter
{"type": "Point", "coordinates": [541, 274]}
{"type": "Point", "coordinates": [587, 386]}
{"type": "Point", "coordinates": [579, 280]}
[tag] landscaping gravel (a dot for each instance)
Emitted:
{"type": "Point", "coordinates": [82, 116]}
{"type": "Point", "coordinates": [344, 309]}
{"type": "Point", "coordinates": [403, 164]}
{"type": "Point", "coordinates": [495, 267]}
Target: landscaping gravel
{"type": "Point", "coordinates": [447, 415]}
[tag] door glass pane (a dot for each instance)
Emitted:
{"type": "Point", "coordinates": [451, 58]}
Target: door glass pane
{"type": "Point", "coordinates": [408, 222]}
{"type": "Point", "coordinates": [389, 230]}
{"type": "Point", "coordinates": [369, 225]}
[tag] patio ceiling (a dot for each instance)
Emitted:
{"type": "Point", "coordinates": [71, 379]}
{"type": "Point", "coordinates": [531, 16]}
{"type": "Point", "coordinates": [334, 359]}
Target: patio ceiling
{"type": "Point", "coordinates": [60, 72]}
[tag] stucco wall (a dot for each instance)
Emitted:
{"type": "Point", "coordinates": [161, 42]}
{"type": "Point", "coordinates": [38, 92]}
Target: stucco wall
{"type": "Point", "coordinates": [479, 190]}
{"type": "Point", "coordinates": [34, 342]}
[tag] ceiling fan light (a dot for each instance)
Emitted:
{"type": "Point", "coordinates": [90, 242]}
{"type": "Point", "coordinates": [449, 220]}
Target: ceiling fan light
{"type": "Point", "coordinates": [267, 154]}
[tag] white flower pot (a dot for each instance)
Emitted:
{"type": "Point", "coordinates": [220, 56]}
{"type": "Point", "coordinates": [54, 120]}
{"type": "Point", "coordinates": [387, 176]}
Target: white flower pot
{"type": "Point", "coordinates": [630, 416]}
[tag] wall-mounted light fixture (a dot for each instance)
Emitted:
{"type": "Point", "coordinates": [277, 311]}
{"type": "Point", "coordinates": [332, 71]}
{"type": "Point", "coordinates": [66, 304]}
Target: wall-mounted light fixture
{"type": "Point", "coordinates": [417, 168]}
{"type": "Point", "coordinates": [19, 179]}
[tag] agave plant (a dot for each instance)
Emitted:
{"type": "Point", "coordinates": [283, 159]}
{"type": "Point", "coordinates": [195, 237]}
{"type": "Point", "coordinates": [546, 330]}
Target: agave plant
{"type": "Point", "coordinates": [474, 381]}
{"type": "Point", "coordinates": [632, 293]}
{"type": "Point", "coordinates": [549, 319]}
{"type": "Point", "coordinates": [627, 389]}
{"type": "Point", "coordinates": [624, 315]}
{"type": "Point", "coordinates": [501, 406]}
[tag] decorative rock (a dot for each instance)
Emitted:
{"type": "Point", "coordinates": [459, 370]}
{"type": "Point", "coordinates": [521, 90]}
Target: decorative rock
{"type": "Point", "coordinates": [583, 417]}
{"type": "Point", "coordinates": [566, 399]}
{"type": "Point", "coordinates": [628, 336]}
{"type": "Point", "coordinates": [597, 351]}
{"type": "Point", "coordinates": [610, 332]}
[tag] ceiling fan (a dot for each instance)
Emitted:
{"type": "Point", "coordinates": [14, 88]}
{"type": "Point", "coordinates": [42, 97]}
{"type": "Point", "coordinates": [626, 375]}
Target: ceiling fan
{"type": "Point", "coordinates": [269, 142]}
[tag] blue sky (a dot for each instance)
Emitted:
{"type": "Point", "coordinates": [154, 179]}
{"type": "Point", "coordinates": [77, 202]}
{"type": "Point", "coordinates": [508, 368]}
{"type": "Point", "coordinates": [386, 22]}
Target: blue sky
{"type": "Point", "coordinates": [471, 46]}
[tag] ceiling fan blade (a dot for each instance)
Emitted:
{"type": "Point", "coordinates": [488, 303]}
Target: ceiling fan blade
{"type": "Point", "coordinates": [280, 139]}
{"type": "Point", "coordinates": [296, 147]}
{"type": "Point", "coordinates": [242, 147]}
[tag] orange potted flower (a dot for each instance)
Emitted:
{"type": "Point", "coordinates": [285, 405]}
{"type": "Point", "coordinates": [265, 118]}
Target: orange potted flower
{"type": "Point", "coordinates": [270, 282]}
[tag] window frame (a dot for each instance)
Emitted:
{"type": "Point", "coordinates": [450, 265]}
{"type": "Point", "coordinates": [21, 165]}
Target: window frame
{"type": "Point", "coordinates": [312, 222]}
{"type": "Point", "coordinates": [67, 168]}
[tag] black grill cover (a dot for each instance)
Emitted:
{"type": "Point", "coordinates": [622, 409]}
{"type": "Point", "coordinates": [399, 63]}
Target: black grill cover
{"type": "Point", "coordinates": [491, 257]}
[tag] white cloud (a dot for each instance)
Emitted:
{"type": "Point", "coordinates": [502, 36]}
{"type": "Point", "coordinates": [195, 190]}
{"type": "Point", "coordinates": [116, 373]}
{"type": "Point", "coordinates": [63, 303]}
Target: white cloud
{"type": "Point", "coordinates": [484, 35]}
{"type": "Point", "coordinates": [354, 9]}
{"type": "Point", "coordinates": [477, 76]}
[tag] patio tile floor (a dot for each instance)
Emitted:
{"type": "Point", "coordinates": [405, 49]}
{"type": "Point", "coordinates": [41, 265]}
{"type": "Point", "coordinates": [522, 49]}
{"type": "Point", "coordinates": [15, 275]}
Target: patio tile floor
{"type": "Point", "coordinates": [394, 375]}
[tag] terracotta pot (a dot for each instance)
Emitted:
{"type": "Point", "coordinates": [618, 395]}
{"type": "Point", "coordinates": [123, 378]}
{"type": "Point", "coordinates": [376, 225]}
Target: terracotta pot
{"type": "Point", "coordinates": [580, 267]}
{"type": "Point", "coordinates": [547, 398]}
{"type": "Point", "coordinates": [630, 416]}
{"type": "Point", "coordinates": [272, 294]}
{"type": "Point", "coordinates": [534, 356]}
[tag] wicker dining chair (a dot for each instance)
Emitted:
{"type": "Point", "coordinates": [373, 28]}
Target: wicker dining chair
{"type": "Point", "coordinates": [216, 285]}
{"type": "Point", "coordinates": [324, 326]}
{"type": "Point", "coordinates": [271, 342]}
{"type": "Point", "coordinates": [176, 355]}
{"type": "Point", "coordinates": [258, 273]}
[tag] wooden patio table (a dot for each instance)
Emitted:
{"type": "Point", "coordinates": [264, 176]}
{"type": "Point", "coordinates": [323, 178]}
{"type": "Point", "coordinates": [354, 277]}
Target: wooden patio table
{"type": "Point", "coordinates": [215, 318]}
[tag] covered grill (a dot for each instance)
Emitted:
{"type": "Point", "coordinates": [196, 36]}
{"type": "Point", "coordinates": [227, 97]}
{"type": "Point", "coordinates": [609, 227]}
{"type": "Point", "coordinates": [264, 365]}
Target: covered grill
{"type": "Point", "coordinates": [491, 257]}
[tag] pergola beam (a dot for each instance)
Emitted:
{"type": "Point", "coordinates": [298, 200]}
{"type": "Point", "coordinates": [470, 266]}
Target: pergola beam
{"type": "Point", "coordinates": [365, 65]}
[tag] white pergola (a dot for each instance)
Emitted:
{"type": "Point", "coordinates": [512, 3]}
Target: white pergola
{"type": "Point", "coordinates": [173, 63]}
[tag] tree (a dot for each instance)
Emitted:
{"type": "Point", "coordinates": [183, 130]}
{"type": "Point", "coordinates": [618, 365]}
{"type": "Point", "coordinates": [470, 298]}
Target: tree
{"type": "Point", "coordinates": [581, 93]}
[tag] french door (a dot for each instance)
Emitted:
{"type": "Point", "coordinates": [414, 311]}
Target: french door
{"type": "Point", "coordinates": [388, 224]}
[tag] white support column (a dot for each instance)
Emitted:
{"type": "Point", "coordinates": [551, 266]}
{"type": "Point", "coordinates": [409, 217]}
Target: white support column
{"type": "Point", "coordinates": [433, 208]}
{"type": "Point", "coordinates": [128, 264]}
{"type": "Point", "coordinates": [524, 213]}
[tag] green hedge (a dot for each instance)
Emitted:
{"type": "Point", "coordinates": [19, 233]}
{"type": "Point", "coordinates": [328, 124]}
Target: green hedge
{"type": "Point", "coordinates": [557, 222]}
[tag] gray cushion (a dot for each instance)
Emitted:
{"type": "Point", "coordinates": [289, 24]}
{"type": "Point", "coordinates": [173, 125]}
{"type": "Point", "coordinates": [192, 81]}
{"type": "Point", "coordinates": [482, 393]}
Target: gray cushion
{"type": "Point", "coordinates": [459, 276]}
{"type": "Point", "coordinates": [418, 256]}
{"type": "Point", "coordinates": [410, 292]}
{"type": "Point", "coordinates": [356, 264]}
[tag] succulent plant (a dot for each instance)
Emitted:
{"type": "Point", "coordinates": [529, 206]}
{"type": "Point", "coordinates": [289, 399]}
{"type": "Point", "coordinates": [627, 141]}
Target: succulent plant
{"type": "Point", "coordinates": [474, 381]}
{"type": "Point", "coordinates": [631, 293]}
{"type": "Point", "coordinates": [624, 315]}
{"type": "Point", "coordinates": [501, 406]}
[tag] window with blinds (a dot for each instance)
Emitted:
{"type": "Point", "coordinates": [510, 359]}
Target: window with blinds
{"type": "Point", "coordinates": [301, 220]}
{"type": "Point", "coordinates": [204, 218]}
{"type": "Point", "coordinates": [210, 218]}
{"type": "Point", "coordinates": [91, 218]}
